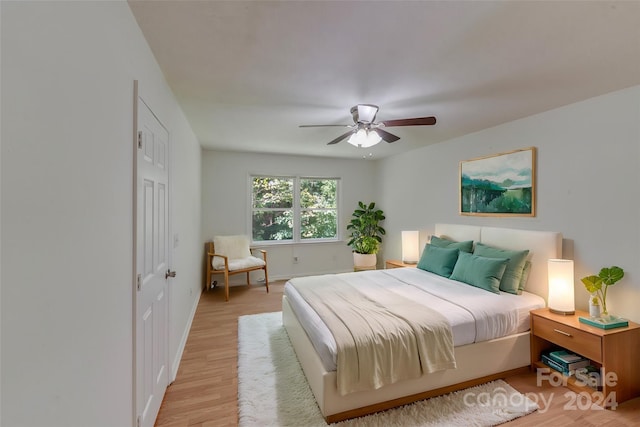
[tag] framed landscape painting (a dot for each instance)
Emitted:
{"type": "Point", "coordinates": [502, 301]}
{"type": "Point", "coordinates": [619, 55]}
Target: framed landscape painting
{"type": "Point", "coordinates": [499, 185]}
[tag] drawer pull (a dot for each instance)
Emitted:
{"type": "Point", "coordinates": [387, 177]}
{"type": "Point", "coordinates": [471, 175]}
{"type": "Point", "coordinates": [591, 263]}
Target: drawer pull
{"type": "Point", "coordinates": [562, 332]}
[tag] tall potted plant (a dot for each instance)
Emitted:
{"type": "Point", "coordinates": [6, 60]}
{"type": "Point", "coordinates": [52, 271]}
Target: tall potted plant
{"type": "Point", "coordinates": [366, 235]}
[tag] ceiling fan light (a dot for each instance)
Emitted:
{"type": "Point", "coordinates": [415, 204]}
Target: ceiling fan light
{"type": "Point", "coordinates": [357, 137]}
{"type": "Point", "coordinates": [373, 138]}
{"type": "Point", "coordinates": [364, 139]}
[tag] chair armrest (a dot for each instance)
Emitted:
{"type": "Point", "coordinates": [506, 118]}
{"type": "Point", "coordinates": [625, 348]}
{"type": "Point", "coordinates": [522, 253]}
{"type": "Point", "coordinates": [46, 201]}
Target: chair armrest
{"type": "Point", "coordinates": [262, 251]}
{"type": "Point", "coordinates": [220, 255]}
{"type": "Point", "coordinates": [226, 259]}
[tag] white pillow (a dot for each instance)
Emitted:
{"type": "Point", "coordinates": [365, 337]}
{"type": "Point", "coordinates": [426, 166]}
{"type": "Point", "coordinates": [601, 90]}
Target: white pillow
{"type": "Point", "coordinates": [234, 247]}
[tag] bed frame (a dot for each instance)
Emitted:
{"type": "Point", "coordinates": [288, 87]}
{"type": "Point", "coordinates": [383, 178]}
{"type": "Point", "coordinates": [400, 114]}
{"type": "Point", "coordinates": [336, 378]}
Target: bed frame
{"type": "Point", "coordinates": [476, 363]}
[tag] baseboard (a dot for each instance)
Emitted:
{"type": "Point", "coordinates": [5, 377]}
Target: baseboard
{"type": "Point", "coordinates": [183, 341]}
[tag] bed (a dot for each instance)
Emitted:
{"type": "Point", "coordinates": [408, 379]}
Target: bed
{"type": "Point", "coordinates": [478, 358]}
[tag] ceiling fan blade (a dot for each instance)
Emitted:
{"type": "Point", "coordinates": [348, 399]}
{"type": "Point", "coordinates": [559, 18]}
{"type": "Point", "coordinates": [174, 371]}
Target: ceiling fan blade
{"type": "Point", "coordinates": [418, 121]}
{"type": "Point", "coordinates": [340, 138]}
{"type": "Point", "coordinates": [386, 136]}
{"type": "Point", "coordinates": [322, 126]}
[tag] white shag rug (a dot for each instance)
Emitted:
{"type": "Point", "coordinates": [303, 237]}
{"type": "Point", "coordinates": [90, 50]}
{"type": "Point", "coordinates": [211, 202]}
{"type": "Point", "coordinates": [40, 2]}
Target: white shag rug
{"type": "Point", "coordinates": [273, 391]}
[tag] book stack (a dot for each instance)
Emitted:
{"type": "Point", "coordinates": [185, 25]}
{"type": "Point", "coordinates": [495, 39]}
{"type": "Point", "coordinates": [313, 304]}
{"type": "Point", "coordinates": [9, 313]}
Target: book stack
{"type": "Point", "coordinates": [564, 361]}
{"type": "Point", "coordinates": [590, 375]}
{"type": "Point", "coordinates": [610, 322]}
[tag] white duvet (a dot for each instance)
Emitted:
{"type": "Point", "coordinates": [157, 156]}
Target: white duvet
{"type": "Point", "coordinates": [382, 337]}
{"type": "Point", "coordinates": [474, 314]}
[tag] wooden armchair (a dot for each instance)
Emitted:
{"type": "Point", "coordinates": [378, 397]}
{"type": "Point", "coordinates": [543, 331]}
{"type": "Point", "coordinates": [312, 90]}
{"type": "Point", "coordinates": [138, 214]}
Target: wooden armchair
{"type": "Point", "coordinates": [230, 255]}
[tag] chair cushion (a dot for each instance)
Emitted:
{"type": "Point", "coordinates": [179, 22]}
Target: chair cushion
{"type": "Point", "coordinates": [234, 247]}
{"type": "Point", "coordinates": [237, 264]}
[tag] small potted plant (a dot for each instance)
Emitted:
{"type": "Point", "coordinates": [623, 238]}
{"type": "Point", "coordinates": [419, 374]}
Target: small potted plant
{"type": "Point", "coordinates": [366, 235]}
{"type": "Point", "coordinates": [597, 285]}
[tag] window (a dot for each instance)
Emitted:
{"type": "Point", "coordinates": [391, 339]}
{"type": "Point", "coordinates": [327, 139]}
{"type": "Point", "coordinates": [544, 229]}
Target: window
{"type": "Point", "coordinates": [294, 209]}
{"type": "Point", "coordinates": [318, 208]}
{"type": "Point", "coordinates": [272, 208]}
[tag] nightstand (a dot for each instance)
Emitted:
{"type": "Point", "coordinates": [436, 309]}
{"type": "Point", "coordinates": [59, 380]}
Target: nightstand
{"type": "Point", "coordinates": [615, 351]}
{"type": "Point", "coordinates": [396, 263]}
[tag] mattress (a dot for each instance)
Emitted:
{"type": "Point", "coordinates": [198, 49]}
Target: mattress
{"type": "Point", "coordinates": [474, 314]}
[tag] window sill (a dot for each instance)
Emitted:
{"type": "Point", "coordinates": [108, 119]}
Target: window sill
{"type": "Point", "coordinates": [301, 243]}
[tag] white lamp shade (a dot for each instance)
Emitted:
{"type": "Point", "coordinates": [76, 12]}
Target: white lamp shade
{"type": "Point", "coordinates": [410, 246]}
{"type": "Point", "coordinates": [364, 139]}
{"type": "Point", "coordinates": [561, 287]}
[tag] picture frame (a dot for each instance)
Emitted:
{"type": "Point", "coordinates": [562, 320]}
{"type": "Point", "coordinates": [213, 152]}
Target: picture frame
{"type": "Point", "coordinates": [502, 184]}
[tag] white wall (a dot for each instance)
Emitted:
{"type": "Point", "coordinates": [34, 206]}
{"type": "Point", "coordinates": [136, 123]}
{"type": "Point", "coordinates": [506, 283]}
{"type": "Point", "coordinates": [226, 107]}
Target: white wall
{"type": "Point", "coordinates": [186, 210]}
{"type": "Point", "coordinates": [588, 173]}
{"type": "Point", "coordinates": [0, 223]}
{"type": "Point", "coordinates": [225, 199]}
{"type": "Point", "coordinates": [67, 109]}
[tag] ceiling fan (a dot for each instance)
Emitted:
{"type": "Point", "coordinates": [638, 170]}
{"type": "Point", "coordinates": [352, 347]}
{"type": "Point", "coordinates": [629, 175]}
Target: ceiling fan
{"type": "Point", "coordinates": [366, 132]}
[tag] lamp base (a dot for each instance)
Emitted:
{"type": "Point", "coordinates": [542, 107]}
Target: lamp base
{"type": "Point", "coordinates": [409, 262]}
{"type": "Point", "coordinates": [563, 313]}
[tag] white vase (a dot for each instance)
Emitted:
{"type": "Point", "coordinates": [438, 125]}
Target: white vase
{"type": "Point", "coordinates": [364, 261]}
{"type": "Point", "coordinates": [594, 308]}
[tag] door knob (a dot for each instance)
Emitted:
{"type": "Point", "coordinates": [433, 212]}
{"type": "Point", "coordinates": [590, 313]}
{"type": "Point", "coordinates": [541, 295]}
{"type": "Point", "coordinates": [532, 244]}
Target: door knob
{"type": "Point", "coordinates": [169, 273]}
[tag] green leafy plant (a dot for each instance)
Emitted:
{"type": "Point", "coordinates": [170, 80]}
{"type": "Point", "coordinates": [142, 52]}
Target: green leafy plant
{"type": "Point", "coordinates": [598, 285]}
{"type": "Point", "coordinates": [366, 232]}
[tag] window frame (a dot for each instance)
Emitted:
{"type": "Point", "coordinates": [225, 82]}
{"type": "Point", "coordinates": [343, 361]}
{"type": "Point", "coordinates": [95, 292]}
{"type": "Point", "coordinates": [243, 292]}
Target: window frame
{"type": "Point", "coordinates": [296, 208]}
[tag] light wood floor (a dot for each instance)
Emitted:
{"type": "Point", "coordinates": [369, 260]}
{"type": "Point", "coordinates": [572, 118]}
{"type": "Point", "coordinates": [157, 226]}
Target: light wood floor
{"type": "Point", "coordinates": [205, 391]}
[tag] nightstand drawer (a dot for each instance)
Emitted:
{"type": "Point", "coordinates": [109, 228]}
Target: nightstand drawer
{"type": "Point", "coordinates": [581, 342]}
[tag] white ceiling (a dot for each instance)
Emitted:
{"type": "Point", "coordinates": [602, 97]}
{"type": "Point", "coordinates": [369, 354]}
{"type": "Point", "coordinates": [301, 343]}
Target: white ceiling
{"type": "Point", "coordinates": [247, 73]}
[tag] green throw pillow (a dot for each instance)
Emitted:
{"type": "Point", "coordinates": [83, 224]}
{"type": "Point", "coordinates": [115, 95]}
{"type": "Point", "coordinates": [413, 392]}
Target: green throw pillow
{"type": "Point", "coordinates": [513, 274]}
{"type": "Point", "coordinates": [525, 276]}
{"type": "Point", "coordinates": [478, 271]}
{"type": "Point", "coordinates": [438, 260]}
{"type": "Point", "coordinates": [443, 242]}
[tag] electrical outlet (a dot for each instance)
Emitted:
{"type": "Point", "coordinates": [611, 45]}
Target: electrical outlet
{"type": "Point", "coordinates": [295, 259]}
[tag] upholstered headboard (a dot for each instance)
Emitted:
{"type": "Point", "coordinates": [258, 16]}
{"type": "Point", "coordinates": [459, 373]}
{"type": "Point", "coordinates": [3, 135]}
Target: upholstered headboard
{"type": "Point", "coordinates": [542, 246]}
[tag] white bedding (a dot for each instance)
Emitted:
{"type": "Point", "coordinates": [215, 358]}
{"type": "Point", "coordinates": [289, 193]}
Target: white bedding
{"type": "Point", "coordinates": [474, 314]}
